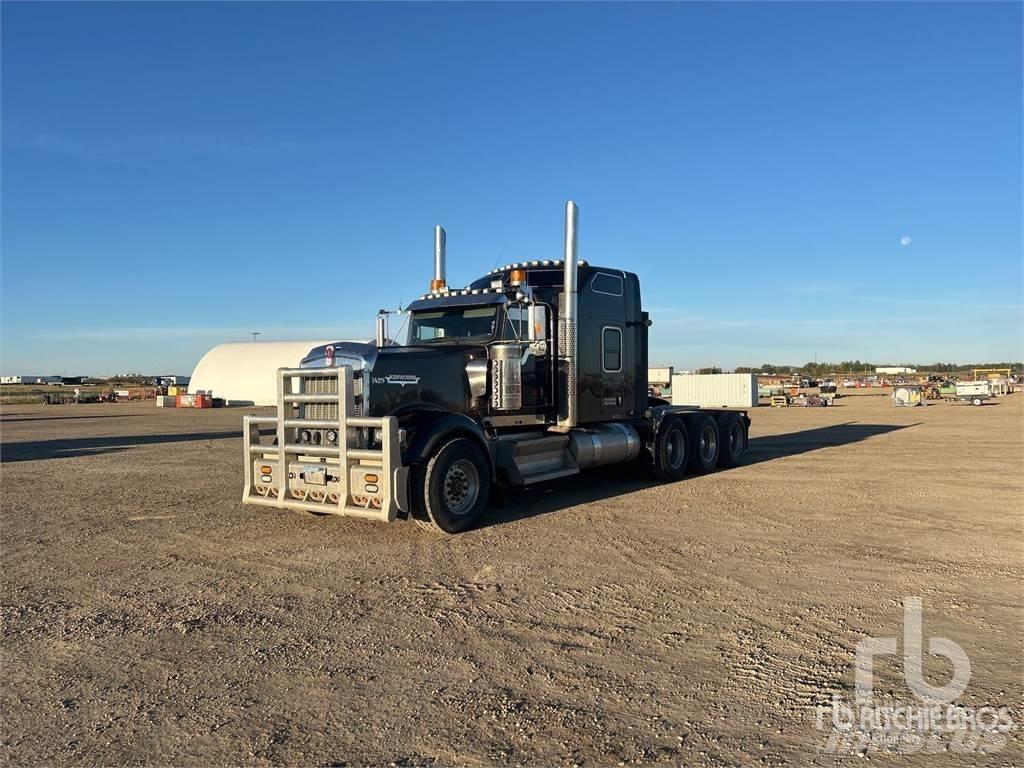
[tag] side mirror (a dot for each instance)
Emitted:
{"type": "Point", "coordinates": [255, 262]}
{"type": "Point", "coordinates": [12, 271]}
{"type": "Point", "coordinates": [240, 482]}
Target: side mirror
{"type": "Point", "coordinates": [538, 319]}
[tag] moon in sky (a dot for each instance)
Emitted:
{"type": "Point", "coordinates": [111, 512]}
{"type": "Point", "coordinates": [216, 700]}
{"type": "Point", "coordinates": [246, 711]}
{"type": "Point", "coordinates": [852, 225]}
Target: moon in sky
{"type": "Point", "coordinates": [905, 240]}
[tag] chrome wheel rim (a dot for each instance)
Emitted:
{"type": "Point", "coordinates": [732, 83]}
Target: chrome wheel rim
{"type": "Point", "coordinates": [735, 438]}
{"type": "Point", "coordinates": [675, 448]}
{"type": "Point", "coordinates": [708, 443]}
{"type": "Point", "coordinates": [461, 486]}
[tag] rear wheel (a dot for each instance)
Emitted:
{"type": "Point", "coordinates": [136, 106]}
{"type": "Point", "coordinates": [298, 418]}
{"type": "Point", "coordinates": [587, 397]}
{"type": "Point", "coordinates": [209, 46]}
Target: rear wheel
{"type": "Point", "coordinates": [733, 434]}
{"type": "Point", "coordinates": [704, 443]}
{"type": "Point", "coordinates": [976, 401]}
{"type": "Point", "coordinates": [671, 449]}
{"type": "Point", "coordinates": [452, 488]}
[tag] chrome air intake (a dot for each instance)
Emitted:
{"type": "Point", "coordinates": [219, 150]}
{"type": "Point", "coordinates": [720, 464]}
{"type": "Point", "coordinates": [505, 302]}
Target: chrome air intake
{"type": "Point", "coordinates": [506, 377]}
{"type": "Point", "coordinates": [567, 319]}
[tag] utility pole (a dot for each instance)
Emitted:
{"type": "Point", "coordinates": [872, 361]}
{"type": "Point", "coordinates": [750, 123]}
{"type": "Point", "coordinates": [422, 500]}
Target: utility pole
{"type": "Point", "coordinates": [254, 334]}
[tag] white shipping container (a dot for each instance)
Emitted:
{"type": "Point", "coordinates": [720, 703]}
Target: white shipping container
{"type": "Point", "coordinates": [715, 390]}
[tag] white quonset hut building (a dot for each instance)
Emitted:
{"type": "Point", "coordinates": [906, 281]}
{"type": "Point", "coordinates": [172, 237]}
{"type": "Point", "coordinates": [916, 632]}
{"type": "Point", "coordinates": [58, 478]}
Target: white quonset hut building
{"type": "Point", "coordinates": [244, 372]}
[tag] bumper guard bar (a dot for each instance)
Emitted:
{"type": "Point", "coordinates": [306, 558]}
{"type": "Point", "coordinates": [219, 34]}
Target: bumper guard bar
{"type": "Point", "coordinates": [339, 460]}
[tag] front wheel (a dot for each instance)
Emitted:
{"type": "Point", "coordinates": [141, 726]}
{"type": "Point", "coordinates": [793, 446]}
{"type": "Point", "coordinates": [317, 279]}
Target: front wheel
{"type": "Point", "coordinates": [452, 488]}
{"type": "Point", "coordinates": [976, 401]}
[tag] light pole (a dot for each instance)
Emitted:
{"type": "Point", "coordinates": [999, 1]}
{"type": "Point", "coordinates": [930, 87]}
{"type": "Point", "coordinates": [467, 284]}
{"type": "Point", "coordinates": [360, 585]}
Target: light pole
{"type": "Point", "coordinates": [254, 334]}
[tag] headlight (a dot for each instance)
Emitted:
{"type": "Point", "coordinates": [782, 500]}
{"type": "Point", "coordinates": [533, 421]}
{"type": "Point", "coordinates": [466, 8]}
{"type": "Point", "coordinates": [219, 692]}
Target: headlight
{"type": "Point", "coordinates": [305, 436]}
{"type": "Point", "coordinates": [378, 436]}
{"type": "Point", "coordinates": [332, 437]}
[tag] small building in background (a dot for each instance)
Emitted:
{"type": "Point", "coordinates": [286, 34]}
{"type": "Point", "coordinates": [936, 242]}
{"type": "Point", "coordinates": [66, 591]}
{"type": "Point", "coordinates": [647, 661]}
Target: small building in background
{"type": "Point", "coordinates": [893, 369]}
{"type": "Point", "coordinates": [659, 376]}
{"type": "Point", "coordinates": [659, 380]}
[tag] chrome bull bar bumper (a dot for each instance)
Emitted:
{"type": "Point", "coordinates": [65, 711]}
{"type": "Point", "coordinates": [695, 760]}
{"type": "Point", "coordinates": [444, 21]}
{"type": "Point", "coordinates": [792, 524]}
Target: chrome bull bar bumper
{"type": "Point", "coordinates": [337, 479]}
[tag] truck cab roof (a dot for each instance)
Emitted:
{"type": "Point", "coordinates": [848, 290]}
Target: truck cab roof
{"type": "Point", "coordinates": [496, 285]}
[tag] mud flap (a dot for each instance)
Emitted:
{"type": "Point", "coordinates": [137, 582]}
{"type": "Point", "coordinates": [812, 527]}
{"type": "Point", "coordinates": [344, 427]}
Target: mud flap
{"type": "Point", "coordinates": [400, 488]}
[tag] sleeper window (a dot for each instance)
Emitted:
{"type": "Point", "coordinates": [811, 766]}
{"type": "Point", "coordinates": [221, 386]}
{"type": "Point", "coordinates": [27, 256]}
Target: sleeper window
{"type": "Point", "coordinates": [605, 283]}
{"type": "Point", "coordinates": [612, 343]}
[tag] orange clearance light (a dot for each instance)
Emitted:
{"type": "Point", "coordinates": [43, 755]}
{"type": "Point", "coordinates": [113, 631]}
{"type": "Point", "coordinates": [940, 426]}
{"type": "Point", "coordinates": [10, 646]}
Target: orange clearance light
{"type": "Point", "coordinates": [517, 276]}
{"type": "Point", "coordinates": [370, 479]}
{"type": "Point", "coordinates": [265, 470]}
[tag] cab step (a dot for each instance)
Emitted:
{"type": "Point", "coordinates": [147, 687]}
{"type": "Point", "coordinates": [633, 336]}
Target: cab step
{"type": "Point", "coordinates": [533, 458]}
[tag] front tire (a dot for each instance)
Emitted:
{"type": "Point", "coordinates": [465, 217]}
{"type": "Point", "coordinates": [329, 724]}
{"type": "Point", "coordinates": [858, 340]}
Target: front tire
{"type": "Point", "coordinates": [976, 401]}
{"type": "Point", "coordinates": [452, 488]}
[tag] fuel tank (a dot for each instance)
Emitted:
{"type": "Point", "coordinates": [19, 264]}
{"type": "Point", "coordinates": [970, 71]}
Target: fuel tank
{"type": "Point", "coordinates": [600, 444]}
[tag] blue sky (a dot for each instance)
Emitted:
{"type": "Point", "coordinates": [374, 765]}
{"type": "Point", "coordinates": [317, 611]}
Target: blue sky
{"type": "Point", "coordinates": [176, 175]}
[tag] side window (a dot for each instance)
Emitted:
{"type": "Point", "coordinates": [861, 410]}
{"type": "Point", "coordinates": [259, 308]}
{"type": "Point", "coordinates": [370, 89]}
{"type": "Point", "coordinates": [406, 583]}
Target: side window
{"type": "Point", "coordinates": [517, 323]}
{"type": "Point", "coordinates": [527, 323]}
{"type": "Point", "coordinates": [611, 339]}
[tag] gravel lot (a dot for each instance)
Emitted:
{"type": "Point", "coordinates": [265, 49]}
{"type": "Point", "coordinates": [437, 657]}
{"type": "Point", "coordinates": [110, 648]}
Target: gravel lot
{"type": "Point", "coordinates": [150, 618]}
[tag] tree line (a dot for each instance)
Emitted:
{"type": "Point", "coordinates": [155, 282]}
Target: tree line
{"type": "Point", "coordinates": [857, 366]}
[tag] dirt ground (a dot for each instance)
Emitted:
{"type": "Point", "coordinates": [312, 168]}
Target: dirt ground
{"type": "Point", "coordinates": [150, 618]}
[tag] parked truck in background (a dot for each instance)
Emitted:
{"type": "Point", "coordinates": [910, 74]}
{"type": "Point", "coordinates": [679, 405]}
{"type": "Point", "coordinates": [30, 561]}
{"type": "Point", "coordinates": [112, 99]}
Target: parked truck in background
{"type": "Point", "coordinates": [535, 371]}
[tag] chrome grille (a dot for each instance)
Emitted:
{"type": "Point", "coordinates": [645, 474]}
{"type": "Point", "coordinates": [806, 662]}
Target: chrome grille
{"type": "Point", "coordinates": [321, 385]}
{"type": "Point", "coordinates": [324, 385]}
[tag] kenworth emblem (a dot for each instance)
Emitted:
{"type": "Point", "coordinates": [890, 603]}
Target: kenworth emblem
{"type": "Point", "coordinates": [401, 379]}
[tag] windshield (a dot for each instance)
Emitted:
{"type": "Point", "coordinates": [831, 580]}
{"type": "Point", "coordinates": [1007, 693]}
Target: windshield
{"type": "Point", "coordinates": [452, 324]}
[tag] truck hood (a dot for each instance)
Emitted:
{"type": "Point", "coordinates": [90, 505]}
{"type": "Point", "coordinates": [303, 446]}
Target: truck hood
{"type": "Point", "coordinates": [398, 377]}
{"type": "Point", "coordinates": [434, 376]}
{"type": "Point", "coordinates": [354, 353]}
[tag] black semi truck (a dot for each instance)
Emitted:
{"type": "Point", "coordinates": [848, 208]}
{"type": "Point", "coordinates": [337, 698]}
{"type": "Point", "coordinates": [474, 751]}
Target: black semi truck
{"type": "Point", "coordinates": [533, 372]}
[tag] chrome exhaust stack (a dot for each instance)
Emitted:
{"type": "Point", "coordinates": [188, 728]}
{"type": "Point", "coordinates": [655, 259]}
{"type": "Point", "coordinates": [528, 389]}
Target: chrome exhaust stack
{"type": "Point", "coordinates": [438, 283]}
{"type": "Point", "coordinates": [567, 318]}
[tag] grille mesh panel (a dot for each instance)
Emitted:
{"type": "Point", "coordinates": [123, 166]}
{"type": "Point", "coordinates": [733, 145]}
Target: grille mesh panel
{"type": "Point", "coordinates": [328, 385]}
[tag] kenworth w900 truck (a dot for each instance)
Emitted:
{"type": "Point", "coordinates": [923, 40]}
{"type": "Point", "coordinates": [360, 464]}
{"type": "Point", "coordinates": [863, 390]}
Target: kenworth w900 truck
{"type": "Point", "coordinates": [533, 372]}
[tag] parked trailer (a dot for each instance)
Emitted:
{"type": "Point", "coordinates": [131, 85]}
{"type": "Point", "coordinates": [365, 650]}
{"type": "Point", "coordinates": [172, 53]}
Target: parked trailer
{"type": "Point", "coordinates": [975, 392]}
{"type": "Point", "coordinates": [535, 371]}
